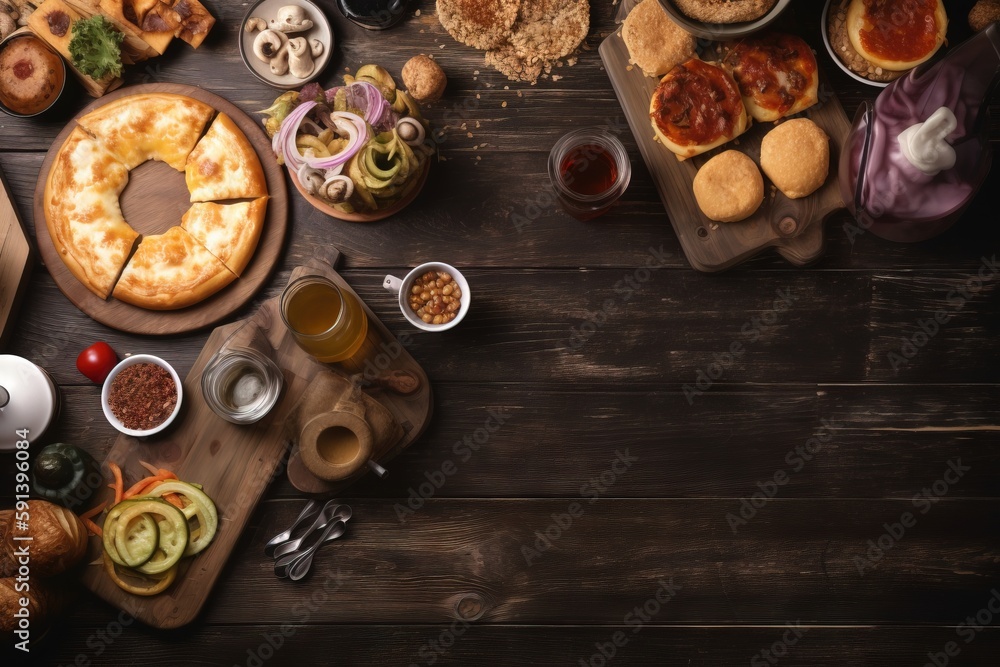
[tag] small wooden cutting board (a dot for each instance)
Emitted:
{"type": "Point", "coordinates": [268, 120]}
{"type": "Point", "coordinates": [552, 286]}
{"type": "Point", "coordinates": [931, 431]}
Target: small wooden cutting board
{"type": "Point", "coordinates": [16, 260]}
{"type": "Point", "coordinates": [236, 463]}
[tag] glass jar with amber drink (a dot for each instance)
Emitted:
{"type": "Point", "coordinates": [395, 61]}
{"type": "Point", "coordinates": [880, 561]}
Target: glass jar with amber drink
{"type": "Point", "coordinates": [327, 321]}
{"type": "Point", "coordinates": [590, 171]}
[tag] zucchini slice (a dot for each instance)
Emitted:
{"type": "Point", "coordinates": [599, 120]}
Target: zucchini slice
{"type": "Point", "coordinates": [136, 541]}
{"type": "Point", "coordinates": [198, 507]}
{"type": "Point", "coordinates": [173, 532]}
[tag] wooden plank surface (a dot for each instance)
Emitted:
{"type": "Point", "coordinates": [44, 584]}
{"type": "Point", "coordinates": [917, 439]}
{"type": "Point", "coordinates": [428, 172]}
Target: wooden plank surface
{"type": "Point", "coordinates": [895, 425]}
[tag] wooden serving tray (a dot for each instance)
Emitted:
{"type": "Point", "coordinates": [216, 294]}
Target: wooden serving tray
{"type": "Point", "coordinates": [153, 201]}
{"type": "Point", "coordinates": [236, 463]}
{"type": "Point", "coordinates": [792, 226]}
{"type": "Point", "coordinates": [16, 258]}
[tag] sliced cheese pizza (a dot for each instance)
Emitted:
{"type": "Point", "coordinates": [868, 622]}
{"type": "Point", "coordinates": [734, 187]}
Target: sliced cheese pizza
{"type": "Point", "coordinates": [229, 231]}
{"type": "Point", "coordinates": [82, 212]}
{"type": "Point", "coordinates": [151, 126]}
{"type": "Point", "coordinates": [777, 75]}
{"type": "Point", "coordinates": [171, 271]}
{"type": "Point", "coordinates": [697, 107]}
{"type": "Point", "coordinates": [224, 165]}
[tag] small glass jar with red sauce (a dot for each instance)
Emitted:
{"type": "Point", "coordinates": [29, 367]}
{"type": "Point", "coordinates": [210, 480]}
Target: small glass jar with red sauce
{"type": "Point", "coordinates": [590, 170]}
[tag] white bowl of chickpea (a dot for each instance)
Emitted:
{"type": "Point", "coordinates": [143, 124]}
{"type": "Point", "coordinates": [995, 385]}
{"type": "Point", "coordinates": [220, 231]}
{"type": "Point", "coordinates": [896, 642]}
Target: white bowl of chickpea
{"type": "Point", "coordinates": [434, 296]}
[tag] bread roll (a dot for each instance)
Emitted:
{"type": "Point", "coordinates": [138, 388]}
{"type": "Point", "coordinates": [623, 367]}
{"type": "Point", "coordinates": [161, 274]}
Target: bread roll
{"type": "Point", "coordinates": [10, 603]}
{"type": "Point", "coordinates": [8, 566]}
{"type": "Point", "coordinates": [796, 157]}
{"type": "Point", "coordinates": [59, 539]}
{"type": "Point", "coordinates": [729, 187]}
{"type": "Point", "coordinates": [655, 43]}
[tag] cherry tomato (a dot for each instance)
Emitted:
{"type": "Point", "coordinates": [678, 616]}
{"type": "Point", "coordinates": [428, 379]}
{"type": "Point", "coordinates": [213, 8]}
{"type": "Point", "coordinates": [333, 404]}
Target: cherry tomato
{"type": "Point", "coordinates": [97, 361]}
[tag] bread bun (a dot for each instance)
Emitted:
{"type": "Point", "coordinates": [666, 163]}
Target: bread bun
{"type": "Point", "coordinates": [796, 157]}
{"type": "Point", "coordinates": [10, 603]}
{"type": "Point", "coordinates": [8, 566]}
{"type": "Point", "coordinates": [729, 187]}
{"type": "Point", "coordinates": [901, 41]}
{"type": "Point", "coordinates": [58, 538]}
{"type": "Point", "coordinates": [655, 43]}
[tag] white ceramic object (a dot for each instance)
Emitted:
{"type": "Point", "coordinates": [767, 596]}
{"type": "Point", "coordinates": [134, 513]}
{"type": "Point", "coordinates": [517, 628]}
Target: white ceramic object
{"type": "Point", "coordinates": [131, 361]}
{"type": "Point", "coordinates": [268, 11]}
{"type": "Point", "coordinates": [29, 401]}
{"type": "Point", "coordinates": [401, 288]}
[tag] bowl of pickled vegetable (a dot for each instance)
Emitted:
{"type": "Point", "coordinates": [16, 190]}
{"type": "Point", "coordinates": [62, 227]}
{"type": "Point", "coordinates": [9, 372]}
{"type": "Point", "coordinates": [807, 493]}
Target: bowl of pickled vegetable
{"type": "Point", "coordinates": [358, 152]}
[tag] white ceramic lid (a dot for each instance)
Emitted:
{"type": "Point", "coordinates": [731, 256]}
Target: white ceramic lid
{"type": "Point", "coordinates": [28, 401]}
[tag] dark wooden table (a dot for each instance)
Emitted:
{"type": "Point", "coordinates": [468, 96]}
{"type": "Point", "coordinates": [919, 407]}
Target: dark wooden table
{"type": "Point", "coordinates": [605, 491]}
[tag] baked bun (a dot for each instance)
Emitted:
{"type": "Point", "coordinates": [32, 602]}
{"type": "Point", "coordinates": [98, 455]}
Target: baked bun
{"type": "Point", "coordinates": [697, 107]}
{"type": "Point", "coordinates": [725, 11]}
{"type": "Point", "coordinates": [796, 157]}
{"type": "Point", "coordinates": [58, 538]}
{"type": "Point", "coordinates": [880, 37]}
{"type": "Point", "coordinates": [729, 187]}
{"type": "Point", "coordinates": [8, 566]}
{"type": "Point", "coordinates": [777, 75]}
{"type": "Point", "coordinates": [655, 43]}
{"type": "Point", "coordinates": [984, 13]}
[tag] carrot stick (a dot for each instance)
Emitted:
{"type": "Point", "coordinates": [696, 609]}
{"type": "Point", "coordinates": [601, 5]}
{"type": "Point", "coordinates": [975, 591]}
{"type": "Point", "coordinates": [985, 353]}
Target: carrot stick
{"type": "Point", "coordinates": [166, 473]}
{"type": "Point", "coordinates": [150, 467]}
{"type": "Point", "coordinates": [91, 513]}
{"type": "Point", "coordinates": [144, 485]}
{"type": "Point", "coordinates": [92, 527]}
{"type": "Point", "coordinates": [119, 482]}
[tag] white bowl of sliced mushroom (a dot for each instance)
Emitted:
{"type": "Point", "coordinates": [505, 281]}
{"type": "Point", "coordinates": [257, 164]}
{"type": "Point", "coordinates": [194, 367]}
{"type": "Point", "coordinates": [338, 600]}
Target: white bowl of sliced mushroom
{"type": "Point", "coordinates": [285, 43]}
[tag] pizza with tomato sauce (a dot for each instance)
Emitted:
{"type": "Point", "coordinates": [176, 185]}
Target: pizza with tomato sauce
{"type": "Point", "coordinates": [777, 75]}
{"type": "Point", "coordinates": [697, 107]}
{"type": "Point", "coordinates": [896, 34]}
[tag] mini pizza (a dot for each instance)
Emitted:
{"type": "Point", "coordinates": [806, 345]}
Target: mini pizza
{"type": "Point", "coordinates": [777, 75]}
{"type": "Point", "coordinates": [154, 126]}
{"type": "Point", "coordinates": [896, 34]}
{"type": "Point", "coordinates": [228, 231]}
{"type": "Point", "coordinates": [224, 165]}
{"type": "Point", "coordinates": [171, 271]}
{"type": "Point", "coordinates": [82, 213]}
{"type": "Point", "coordinates": [697, 107]}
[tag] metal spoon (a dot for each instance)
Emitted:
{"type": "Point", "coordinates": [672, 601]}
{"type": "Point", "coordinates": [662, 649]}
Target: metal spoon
{"type": "Point", "coordinates": [323, 519]}
{"type": "Point", "coordinates": [307, 513]}
{"type": "Point", "coordinates": [295, 566]}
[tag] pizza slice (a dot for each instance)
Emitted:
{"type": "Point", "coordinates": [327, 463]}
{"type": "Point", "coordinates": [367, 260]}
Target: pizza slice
{"type": "Point", "coordinates": [154, 126]}
{"type": "Point", "coordinates": [224, 165]}
{"type": "Point", "coordinates": [229, 231]}
{"type": "Point", "coordinates": [82, 213]}
{"type": "Point", "coordinates": [697, 107]}
{"type": "Point", "coordinates": [777, 75]}
{"type": "Point", "coordinates": [171, 271]}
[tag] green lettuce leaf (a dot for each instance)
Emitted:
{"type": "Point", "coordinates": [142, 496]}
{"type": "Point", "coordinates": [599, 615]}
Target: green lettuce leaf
{"type": "Point", "coordinates": [96, 47]}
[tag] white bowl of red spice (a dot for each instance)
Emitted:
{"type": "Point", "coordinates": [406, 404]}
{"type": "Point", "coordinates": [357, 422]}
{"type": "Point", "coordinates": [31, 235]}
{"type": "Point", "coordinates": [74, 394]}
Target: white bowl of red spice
{"type": "Point", "coordinates": [142, 395]}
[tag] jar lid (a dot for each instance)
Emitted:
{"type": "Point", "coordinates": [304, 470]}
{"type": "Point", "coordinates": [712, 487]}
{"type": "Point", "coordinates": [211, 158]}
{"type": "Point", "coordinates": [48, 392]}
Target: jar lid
{"type": "Point", "coordinates": [28, 401]}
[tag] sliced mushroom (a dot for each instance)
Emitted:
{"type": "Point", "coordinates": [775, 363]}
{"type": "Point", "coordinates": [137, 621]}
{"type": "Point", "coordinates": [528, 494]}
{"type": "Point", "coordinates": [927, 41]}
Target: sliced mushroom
{"type": "Point", "coordinates": [291, 18]}
{"type": "Point", "coordinates": [269, 44]}
{"type": "Point", "coordinates": [316, 47]}
{"type": "Point", "coordinates": [254, 23]}
{"type": "Point", "coordinates": [279, 64]}
{"type": "Point", "coordinates": [337, 189]}
{"type": "Point", "coordinates": [410, 130]}
{"type": "Point", "coordinates": [311, 179]}
{"type": "Point", "coordinates": [300, 60]}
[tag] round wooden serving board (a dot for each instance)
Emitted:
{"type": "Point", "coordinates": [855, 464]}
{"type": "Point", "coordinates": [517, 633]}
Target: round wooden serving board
{"type": "Point", "coordinates": [153, 201]}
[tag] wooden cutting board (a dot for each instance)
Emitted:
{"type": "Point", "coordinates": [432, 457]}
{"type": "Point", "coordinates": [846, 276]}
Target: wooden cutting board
{"type": "Point", "coordinates": [153, 201]}
{"type": "Point", "coordinates": [16, 259]}
{"type": "Point", "coordinates": [793, 227]}
{"type": "Point", "coordinates": [234, 463]}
